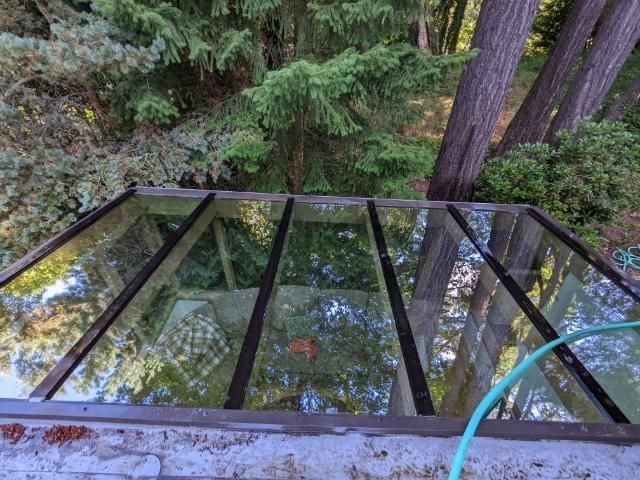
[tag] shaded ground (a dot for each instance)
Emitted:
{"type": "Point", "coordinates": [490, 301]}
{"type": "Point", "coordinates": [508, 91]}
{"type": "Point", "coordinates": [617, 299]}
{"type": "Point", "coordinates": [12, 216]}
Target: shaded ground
{"type": "Point", "coordinates": [623, 234]}
{"type": "Point", "coordinates": [436, 105]}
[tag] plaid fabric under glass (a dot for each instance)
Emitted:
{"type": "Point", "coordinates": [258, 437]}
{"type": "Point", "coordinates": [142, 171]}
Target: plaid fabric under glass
{"type": "Point", "coordinates": [196, 345]}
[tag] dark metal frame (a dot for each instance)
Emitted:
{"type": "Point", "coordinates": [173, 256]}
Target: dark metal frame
{"type": "Point", "coordinates": [415, 372]}
{"type": "Point", "coordinates": [291, 422]}
{"type": "Point", "coordinates": [599, 397]}
{"type": "Point", "coordinates": [231, 417]}
{"type": "Point", "coordinates": [356, 201]}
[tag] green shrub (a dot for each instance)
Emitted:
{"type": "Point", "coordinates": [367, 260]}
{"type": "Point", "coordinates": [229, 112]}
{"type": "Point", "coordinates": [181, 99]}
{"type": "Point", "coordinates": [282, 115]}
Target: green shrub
{"type": "Point", "coordinates": [587, 178]}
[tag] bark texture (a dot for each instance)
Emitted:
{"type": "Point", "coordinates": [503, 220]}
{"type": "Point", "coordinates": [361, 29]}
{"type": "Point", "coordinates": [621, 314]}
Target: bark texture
{"type": "Point", "coordinates": [500, 34]}
{"type": "Point", "coordinates": [419, 30]}
{"type": "Point", "coordinates": [423, 33]}
{"type": "Point", "coordinates": [616, 37]}
{"type": "Point", "coordinates": [630, 97]}
{"type": "Point", "coordinates": [532, 118]}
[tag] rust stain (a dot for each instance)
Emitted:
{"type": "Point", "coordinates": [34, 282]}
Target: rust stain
{"type": "Point", "coordinates": [61, 434]}
{"type": "Point", "coordinates": [12, 432]}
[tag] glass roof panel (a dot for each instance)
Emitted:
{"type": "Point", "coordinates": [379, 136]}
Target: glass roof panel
{"type": "Point", "coordinates": [329, 342]}
{"type": "Point", "coordinates": [46, 309]}
{"type": "Point", "coordinates": [572, 295]}
{"type": "Point", "coordinates": [178, 340]}
{"type": "Point", "coordinates": [468, 329]}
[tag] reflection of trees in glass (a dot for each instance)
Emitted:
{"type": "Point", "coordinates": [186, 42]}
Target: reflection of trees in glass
{"type": "Point", "coordinates": [130, 364]}
{"type": "Point", "coordinates": [613, 359]}
{"type": "Point", "coordinates": [329, 253]}
{"type": "Point", "coordinates": [329, 289]}
{"type": "Point", "coordinates": [248, 236]}
{"type": "Point", "coordinates": [43, 274]}
{"type": "Point", "coordinates": [473, 330]}
{"type": "Point", "coordinates": [575, 296]}
{"type": "Point", "coordinates": [356, 360]}
{"type": "Point", "coordinates": [47, 308]}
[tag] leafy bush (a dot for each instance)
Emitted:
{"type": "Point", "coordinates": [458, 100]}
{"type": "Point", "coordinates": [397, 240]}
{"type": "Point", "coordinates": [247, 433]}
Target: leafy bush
{"type": "Point", "coordinates": [587, 178]}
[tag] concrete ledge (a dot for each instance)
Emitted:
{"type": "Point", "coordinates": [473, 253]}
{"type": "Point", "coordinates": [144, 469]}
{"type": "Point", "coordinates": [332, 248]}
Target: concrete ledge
{"type": "Point", "coordinates": [113, 451]}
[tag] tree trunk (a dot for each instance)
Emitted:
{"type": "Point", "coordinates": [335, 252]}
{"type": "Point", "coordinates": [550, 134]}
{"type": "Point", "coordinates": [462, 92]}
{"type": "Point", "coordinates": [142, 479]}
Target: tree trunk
{"type": "Point", "coordinates": [274, 43]}
{"type": "Point", "coordinates": [298, 153]}
{"type": "Point", "coordinates": [616, 37]}
{"type": "Point", "coordinates": [500, 34]}
{"type": "Point", "coordinates": [630, 97]}
{"type": "Point", "coordinates": [431, 32]}
{"type": "Point", "coordinates": [443, 23]}
{"type": "Point", "coordinates": [423, 33]}
{"type": "Point", "coordinates": [532, 118]}
{"type": "Point", "coordinates": [419, 31]}
{"type": "Point", "coordinates": [454, 31]}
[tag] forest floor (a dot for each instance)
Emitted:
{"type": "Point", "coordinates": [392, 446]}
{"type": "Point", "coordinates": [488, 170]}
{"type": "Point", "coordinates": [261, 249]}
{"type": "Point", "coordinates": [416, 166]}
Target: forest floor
{"type": "Point", "coordinates": [624, 234]}
{"type": "Point", "coordinates": [436, 106]}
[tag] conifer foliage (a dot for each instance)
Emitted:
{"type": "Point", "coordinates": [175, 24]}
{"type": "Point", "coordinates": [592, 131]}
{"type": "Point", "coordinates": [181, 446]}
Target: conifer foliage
{"type": "Point", "coordinates": [271, 95]}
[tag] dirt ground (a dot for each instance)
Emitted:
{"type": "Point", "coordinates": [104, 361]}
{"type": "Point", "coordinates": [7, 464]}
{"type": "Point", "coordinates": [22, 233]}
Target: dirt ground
{"type": "Point", "coordinates": [624, 234]}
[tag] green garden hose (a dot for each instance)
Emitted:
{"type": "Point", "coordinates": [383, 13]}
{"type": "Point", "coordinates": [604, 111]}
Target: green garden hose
{"type": "Point", "coordinates": [489, 401]}
{"type": "Point", "coordinates": [627, 258]}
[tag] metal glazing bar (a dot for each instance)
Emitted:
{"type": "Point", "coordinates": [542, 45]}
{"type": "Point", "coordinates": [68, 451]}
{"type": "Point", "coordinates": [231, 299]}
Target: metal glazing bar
{"type": "Point", "coordinates": [34, 257]}
{"type": "Point", "coordinates": [419, 389]}
{"type": "Point", "coordinates": [56, 377]}
{"type": "Point", "coordinates": [600, 398]}
{"type": "Point", "coordinates": [573, 242]}
{"type": "Point", "coordinates": [244, 365]}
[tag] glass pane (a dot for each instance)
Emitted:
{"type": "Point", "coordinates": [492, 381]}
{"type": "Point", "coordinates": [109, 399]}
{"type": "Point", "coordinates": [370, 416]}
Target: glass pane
{"type": "Point", "coordinates": [329, 342]}
{"type": "Point", "coordinates": [45, 310]}
{"type": "Point", "coordinates": [572, 295]}
{"type": "Point", "coordinates": [468, 329]}
{"type": "Point", "coordinates": [178, 340]}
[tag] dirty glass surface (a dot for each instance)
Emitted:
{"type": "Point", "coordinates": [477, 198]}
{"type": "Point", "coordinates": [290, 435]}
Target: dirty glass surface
{"type": "Point", "coordinates": [46, 309]}
{"type": "Point", "coordinates": [329, 342]}
{"type": "Point", "coordinates": [468, 329]}
{"type": "Point", "coordinates": [572, 295]}
{"type": "Point", "coordinates": [178, 340]}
